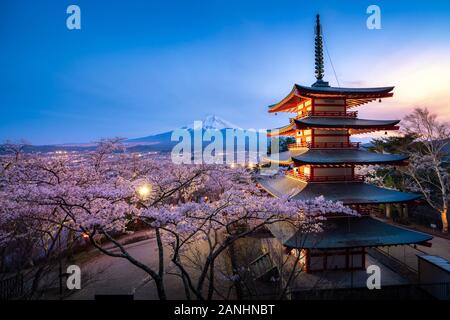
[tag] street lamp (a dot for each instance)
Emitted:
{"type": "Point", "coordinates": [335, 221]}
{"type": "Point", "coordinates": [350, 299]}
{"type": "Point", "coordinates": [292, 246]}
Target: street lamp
{"type": "Point", "coordinates": [144, 191]}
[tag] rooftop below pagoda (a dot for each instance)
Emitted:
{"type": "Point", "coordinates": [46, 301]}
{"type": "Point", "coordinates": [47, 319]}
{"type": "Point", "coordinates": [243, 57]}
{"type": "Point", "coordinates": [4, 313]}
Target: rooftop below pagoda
{"type": "Point", "coordinates": [349, 232]}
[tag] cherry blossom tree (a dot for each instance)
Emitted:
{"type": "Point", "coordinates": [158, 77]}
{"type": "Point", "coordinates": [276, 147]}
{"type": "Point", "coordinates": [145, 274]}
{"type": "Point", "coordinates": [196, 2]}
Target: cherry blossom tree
{"type": "Point", "coordinates": [103, 194]}
{"type": "Point", "coordinates": [428, 164]}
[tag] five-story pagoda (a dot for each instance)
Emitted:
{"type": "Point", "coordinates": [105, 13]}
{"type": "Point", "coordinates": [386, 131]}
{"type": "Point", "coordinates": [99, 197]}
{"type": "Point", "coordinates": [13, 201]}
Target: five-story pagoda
{"type": "Point", "coordinates": [322, 161]}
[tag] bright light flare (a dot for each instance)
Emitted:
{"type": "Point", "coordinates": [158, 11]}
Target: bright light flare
{"type": "Point", "coordinates": [144, 191]}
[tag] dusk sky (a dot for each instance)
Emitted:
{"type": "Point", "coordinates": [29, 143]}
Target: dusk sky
{"type": "Point", "coordinates": [142, 67]}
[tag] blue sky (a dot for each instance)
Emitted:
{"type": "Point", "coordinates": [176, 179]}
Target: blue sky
{"type": "Point", "coordinates": [142, 67]}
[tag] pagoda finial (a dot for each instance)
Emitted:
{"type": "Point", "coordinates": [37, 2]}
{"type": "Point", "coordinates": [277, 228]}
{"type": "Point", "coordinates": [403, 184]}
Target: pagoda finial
{"type": "Point", "coordinates": [319, 70]}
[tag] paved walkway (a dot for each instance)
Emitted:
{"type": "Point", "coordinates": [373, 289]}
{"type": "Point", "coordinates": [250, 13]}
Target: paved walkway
{"type": "Point", "coordinates": [106, 275]}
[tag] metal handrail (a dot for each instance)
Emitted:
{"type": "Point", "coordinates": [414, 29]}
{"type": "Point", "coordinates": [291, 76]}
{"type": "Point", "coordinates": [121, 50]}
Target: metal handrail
{"type": "Point", "coordinates": [340, 114]}
{"type": "Point", "coordinates": [325, 145]}
{"type": "Point", "coordinates": [340, 178]}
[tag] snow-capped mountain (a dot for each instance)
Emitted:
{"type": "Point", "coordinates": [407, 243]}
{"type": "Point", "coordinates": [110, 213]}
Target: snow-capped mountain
{"type": "Point", "coordinates": [211, 122]}
{"type": "Point", "coordinates": [214, 122]}
{"type": "Point", "coordinates": [163, 142]}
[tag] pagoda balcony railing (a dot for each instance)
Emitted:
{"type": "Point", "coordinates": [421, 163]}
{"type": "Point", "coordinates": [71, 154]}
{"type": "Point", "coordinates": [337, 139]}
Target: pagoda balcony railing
{"type": "Point", "coordinates": [340, 114]}
{"type": "Point", "coordinates": [324, 145]}
{"type": "Point", "coordinates": [340, 178]}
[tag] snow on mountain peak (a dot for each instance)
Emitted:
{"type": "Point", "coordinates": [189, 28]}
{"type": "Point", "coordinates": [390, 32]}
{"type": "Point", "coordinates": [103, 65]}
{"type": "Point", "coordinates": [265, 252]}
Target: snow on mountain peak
{"type": "Point", "coordinates": [214, 122]}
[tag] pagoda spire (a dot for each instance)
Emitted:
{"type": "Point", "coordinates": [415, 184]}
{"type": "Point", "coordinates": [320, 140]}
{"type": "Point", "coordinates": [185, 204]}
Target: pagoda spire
{"type": "Point", "coordinates": [319, 68]}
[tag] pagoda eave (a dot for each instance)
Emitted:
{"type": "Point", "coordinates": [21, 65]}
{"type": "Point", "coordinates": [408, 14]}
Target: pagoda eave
{"type": "Point", "coordinates": [354, 96]}
{"type": "Point", "coordinates": [344, 123]}
{"type": "Point", "coordinates": [349, 193]}
{"type": "Point", "coordinates": [375, 92]}
{"type": "Point", "coordinates": [347, 157]}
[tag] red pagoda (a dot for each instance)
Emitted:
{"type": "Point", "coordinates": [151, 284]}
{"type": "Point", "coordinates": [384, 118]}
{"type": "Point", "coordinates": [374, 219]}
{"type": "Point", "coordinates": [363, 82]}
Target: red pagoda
{"type": "Point", "coordinates": [322, 162]}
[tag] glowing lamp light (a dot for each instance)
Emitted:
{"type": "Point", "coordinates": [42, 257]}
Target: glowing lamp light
{"type": "Point", "coordinates": [144, 191]}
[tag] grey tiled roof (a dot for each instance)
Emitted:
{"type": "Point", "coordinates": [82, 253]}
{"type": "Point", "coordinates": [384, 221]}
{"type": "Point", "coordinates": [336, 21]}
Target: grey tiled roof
{"type": "Point", "coordinates": [343, 91]}
{"type": "Point", "coordinates": [349, 123]}
{"type": "Point", "coordinates": [349, 232]}
{"type": "Point", "coordinates": [347, 192]}
{"type": "Point", "coordinates": [346, 156]}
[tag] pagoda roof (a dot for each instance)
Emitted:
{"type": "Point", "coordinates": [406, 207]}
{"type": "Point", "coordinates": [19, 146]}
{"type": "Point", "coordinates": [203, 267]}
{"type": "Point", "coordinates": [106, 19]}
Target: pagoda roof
{"type": "Point", "coordinates": [346, 192]}
{"type": "Point", "coordinates": [347, 232]}
{"type": "Point", "coordinates": [354, 96]}
{"type": "Point", "coordinates": [345, 123]}
{"type": "Point", "coordinates": [345, 92]}
{"type": "Point", "coordinates": [346, 156]}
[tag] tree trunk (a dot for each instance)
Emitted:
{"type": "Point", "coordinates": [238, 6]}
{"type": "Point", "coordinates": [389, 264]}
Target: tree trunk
{"type": "Point", "coordinates": [160, 281]}
{"type": "Point", "coordinates": [160, 288]}
{"type": "Point", "coordinates": [444, 220]}
{"type": "Point", "coordinates": [211, 281]}
{"type": "Point", "coordinates": [234, 266]}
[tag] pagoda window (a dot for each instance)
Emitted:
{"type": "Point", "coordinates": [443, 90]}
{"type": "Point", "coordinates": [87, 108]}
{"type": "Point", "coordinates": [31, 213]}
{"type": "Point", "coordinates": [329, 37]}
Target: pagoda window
{"type": "Point", "coordinates": [330, 102]}
{"type": "Point", "coordinates": [318, 132]}
{"type": "Point", "coordinates": [344, 259]}
{"type": "Point", "coordinates": [323, 136]}
{"type": "Point", "coordinates": [322, 139]}
{"type": "Point", "coordinates": [330, 108]}
{"type": "Point", "coordinates": [303, 108]}
{"type": "Point", "coordinates": [320, 172]}
{"type": "Point", "coordinates": [306, 171]}
{"type": "Point", "coordinates": [336, 261]}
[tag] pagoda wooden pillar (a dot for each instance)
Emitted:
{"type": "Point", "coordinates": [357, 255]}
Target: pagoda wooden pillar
{"type": "Point", "coordinates": [399, 210]}
{"type": "Point", "coordinates": [405, 211]}
{"type": "Point", "coordinates": [388, 210]}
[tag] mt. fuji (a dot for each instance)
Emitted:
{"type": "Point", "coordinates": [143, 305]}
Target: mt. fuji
{"type": "Point", "coordinates": [214, 122]}
{"type": "Point", "coordinates": [162, 141]}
